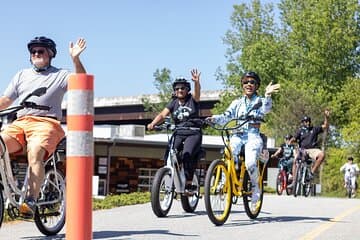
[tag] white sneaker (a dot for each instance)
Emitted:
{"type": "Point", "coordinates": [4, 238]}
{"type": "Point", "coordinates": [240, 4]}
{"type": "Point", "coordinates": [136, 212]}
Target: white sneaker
{"type": "Point", "coordinates": [255, 197]}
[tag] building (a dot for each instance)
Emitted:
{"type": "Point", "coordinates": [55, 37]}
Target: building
{"type": "Point", "coordinates": [119, 134]}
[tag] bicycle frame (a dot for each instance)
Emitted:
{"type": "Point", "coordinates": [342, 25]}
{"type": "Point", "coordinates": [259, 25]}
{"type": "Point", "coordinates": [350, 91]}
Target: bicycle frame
{"type": "Point", "coordinates": [12, 191]}
{"type": "Point", "coordinates": [169, 180]}
{"type": "Point", "coordinates": [237, 183]}
{"type": "Point", "coordinates": [8, 181]}
{"type": "Point", "coordinates": [177, 170]}
{"type": "Point", "coordinates": [303, 167]}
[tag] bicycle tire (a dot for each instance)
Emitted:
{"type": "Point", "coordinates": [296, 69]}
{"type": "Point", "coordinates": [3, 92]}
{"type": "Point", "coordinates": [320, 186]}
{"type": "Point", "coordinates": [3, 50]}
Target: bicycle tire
{"type": "Point", "coordinates": [280, 183]}
{"type": "Point", "coordinates": [289, 190]}
{"type": "Point", "coordinates": [307, 184]}
{"type": "Point", "coordinates": [50, 218]}
{"type": "Point", "coordinates": [2, 204]}
{"type": "Point", "coordinates": [162, 192]}
{"type": "Point", "coordinates": [247, 195]}
{"type": "Point", "coordinates": [217, 192]}
{"type": "Point", "coordinates": [297, 183]}
{"type": "Point", "coordinates": [189, 203]}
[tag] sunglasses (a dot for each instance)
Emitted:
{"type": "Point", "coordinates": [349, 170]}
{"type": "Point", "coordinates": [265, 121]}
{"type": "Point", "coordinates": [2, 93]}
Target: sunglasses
{"type": "Point", "coordinates": [37, 51]}
{"type": "Point", "coordinates": [180, 88]}
{"type": "Point", "coordinates": [252, 82]}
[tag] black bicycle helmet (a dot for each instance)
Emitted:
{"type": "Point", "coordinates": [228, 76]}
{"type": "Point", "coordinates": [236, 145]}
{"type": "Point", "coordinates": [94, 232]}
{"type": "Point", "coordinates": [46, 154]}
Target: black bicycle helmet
{"type": "Point", "coordinates": [182, 81]}
{"type": "Point", "coordinates": [42, 42]}
{"type": "Point", "coordinates": [306, 119]}
{"type": "Point", "coordinates": [253, 75]}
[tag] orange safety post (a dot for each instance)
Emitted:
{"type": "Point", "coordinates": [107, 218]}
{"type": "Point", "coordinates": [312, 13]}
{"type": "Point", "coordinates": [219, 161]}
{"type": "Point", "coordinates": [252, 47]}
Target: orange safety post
{"type": "Point", "coordinates": [79, 156]}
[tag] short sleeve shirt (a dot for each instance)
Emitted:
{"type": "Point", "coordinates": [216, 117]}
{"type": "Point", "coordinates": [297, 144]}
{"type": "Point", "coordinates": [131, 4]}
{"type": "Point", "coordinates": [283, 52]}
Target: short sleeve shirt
{"type": "Point", "coordinates": [182, 113]}
{"type": "Point", "coordinates": [287, 150]}
{"type": "Point", "coordinates": [27, 80]}
{"type": "Point", "coordinates": [308, 137]}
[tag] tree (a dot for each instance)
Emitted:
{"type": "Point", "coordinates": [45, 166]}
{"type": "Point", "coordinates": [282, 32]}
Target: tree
{"type": "Point", "coordinates": [311, 50]}
{"type": "Point", "coordinates": [163, 84]}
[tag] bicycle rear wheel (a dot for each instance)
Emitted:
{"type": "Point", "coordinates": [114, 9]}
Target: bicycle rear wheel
{"type": "Point", "coordinates": [50, 217]}
{"type": "Point", "coordinates": [218, 192]}
{"type": "Point", "coordinates": [189, 203]}
{"type": "Point", "coordinates": [247, 196]}
{"type": "Point", "coordinates": [162, 192]}
{"type": "Point", "coordinates": [280, 183]}
{"type": "Point", "coordinates": [297, 181]}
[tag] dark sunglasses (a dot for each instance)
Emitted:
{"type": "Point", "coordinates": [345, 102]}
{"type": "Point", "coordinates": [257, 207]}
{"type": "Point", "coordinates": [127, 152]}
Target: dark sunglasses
{"type": "Point", "coordinates": [37, 51]}
{"type": "Point", "coordinates": [180, 88]}
{"type": "Point", "coordinates": [252, 82]}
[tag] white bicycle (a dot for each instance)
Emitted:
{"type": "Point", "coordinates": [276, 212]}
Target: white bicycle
{"type": "Point", "coordinates": [49, 216]}
{"type": "Point", "coordinates": [170, 179]}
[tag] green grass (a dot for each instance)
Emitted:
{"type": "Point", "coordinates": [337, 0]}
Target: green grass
{"type": "Point", "coordinates": [112, 201]}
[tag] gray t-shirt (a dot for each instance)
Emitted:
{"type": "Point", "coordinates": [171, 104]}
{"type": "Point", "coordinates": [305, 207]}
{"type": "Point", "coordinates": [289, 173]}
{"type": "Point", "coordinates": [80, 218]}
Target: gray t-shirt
{"type": "Point", "coordinates": [27, 80]}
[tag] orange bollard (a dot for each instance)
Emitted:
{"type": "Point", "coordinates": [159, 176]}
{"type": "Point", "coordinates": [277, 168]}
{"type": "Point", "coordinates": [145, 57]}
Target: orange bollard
{"type": "Point", "coordinates": [79, 157]}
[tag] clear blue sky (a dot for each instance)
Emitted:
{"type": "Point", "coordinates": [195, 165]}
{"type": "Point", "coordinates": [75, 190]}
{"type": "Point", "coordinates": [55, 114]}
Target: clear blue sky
{"type": "Point", "coordinates": [127, 40]}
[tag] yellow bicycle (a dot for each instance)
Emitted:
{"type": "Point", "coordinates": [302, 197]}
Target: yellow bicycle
{"type": "Point", "coordinates": [224, 184]}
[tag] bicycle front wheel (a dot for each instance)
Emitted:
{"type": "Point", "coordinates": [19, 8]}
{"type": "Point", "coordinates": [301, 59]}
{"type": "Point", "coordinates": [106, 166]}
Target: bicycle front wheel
{"type": "Point", "coordinates": [217, 192]}
{"type": "Point", "coordinates": [307, 184]}
{"type": "Point", "coordinates": [50, 213]}
{"type": "Point", "coordinates": [162, 192]}
{"type": "Point", "coordinates": [297, 181]}
{"type": "Point", "coordinates": [252, 211]}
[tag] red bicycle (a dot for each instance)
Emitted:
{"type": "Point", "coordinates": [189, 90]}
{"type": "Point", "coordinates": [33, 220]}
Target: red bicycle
{"type": "Point", "coordinates": [282, 179]}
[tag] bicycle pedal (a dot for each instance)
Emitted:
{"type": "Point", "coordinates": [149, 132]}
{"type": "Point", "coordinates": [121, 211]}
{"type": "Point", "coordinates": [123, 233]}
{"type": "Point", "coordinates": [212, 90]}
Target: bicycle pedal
{"type": "Point", "coordinates": [24, 216]}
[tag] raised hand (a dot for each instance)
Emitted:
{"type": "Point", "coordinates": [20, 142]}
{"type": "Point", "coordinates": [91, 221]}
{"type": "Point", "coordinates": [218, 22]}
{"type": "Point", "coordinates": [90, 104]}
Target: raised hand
{"type": "Point", "coordinates": [272, 88]}
{"type": "Point", "coordinates": [195, 75]}
{"type": "Point", "coordinates": [77, 48]}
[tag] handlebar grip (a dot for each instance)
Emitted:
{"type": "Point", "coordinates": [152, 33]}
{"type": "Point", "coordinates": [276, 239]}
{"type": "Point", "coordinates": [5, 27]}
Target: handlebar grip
{"type": "Point", "coordinates": [35, 106]}
{"type": "Point", "coordinates": [42, 107]}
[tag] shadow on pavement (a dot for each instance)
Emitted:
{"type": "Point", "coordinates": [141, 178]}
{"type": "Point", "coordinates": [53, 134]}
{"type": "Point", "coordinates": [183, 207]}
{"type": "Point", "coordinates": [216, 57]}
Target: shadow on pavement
{"type": "Point", "coordinates": [111, 234]}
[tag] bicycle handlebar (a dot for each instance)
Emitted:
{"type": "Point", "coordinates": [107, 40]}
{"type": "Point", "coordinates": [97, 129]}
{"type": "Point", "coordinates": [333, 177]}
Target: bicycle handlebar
{"type": "Point", "coordinates": [23, 105]}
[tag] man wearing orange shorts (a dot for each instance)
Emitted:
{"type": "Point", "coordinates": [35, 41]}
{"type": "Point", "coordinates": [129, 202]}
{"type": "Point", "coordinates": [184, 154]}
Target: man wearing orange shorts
{"type": "Point", "coordinates": [38, 131]}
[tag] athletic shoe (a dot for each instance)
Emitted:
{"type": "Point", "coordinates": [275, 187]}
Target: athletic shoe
{"type": "Point", "coordinates": [28, 208]}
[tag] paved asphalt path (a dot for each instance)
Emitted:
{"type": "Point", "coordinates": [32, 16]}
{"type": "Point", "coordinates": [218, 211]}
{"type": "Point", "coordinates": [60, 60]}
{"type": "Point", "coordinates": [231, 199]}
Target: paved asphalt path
{"type": "Point", "coordinates": [282, 217]}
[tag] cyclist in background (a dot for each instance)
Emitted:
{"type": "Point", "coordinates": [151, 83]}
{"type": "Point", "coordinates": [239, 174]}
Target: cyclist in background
{"type": "Point", "coordinates": [249, 134]}
{"type": "Point", "coordinates": [184, 107]}
{"type": "Point", "coordinates": [286, 152]}
{"type": "Point", "coordinates": [38, 131]}
{"type": "Point", "coordinates": [307, 137]}
{"type": "Point", "coordinates": [351, 170]}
